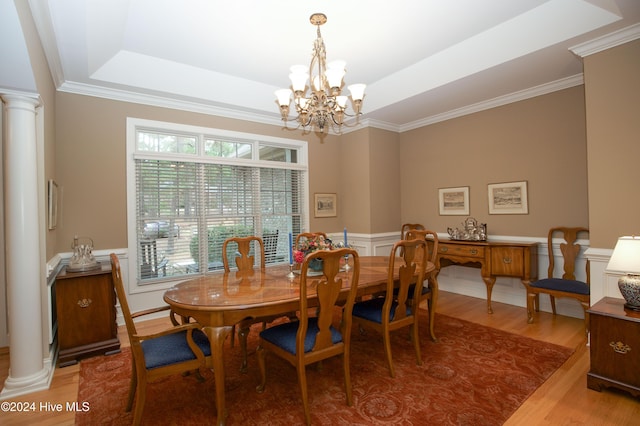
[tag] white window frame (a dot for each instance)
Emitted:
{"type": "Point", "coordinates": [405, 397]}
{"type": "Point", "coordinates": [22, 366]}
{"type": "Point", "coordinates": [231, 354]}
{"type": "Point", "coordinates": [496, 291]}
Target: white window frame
{"type": "Point", "coordinates": [133, 124]}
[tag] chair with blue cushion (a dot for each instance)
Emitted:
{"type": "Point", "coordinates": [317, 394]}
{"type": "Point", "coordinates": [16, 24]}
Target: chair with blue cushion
{"type": "Point", "coordinates": [428, 293]}
{"type": "Point", "coordinates": [180, 349]}
{"type": "Point", "coordinates": [315, 338]}
{"type": "Point", "coordinates": [396, 308]}
{"type": "Point", "coordinates": [562, 283]}
{"type": "Point", "coordinates": [247, 248]}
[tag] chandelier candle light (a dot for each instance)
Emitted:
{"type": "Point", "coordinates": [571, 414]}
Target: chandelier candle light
{"type": "Point", "coordinates": [326, 106]}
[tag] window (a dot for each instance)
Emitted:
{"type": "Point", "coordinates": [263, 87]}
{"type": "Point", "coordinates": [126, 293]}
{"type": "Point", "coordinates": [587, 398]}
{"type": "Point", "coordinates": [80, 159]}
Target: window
{"type": "Point", "coordinates": [190, 188]}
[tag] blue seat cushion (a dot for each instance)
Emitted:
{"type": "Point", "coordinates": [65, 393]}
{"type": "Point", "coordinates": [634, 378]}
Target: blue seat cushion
{"type": "Point", "coordinates": [173, 348]}
{"type": "Point", "coordinates": [372, 309]}
{"type": "Point", "coordinates": [569, 286]}
{"type": "Point", "coordinates": [284, 335]}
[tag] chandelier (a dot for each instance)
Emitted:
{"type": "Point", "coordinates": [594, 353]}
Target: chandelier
{"type": "Point", "coordinates": [325, 106]}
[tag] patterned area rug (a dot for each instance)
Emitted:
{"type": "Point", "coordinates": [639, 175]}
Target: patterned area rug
{"type": "Point", "coordinates": [473, 375]}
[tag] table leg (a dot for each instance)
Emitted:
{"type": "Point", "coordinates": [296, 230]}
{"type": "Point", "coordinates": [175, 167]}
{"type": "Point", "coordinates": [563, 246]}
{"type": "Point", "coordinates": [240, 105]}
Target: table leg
{"type": "Point", "coordinates": [489, 281]}
{"type": "Point", "coordinates": [216, 336]}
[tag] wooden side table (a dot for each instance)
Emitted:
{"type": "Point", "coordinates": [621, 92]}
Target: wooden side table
{"type": "Point", "coordinates": [86, 312]}
{"type": "Point", "coordinates": [614, 346]}
{"type": "Point", "coordinates": [494, 258]}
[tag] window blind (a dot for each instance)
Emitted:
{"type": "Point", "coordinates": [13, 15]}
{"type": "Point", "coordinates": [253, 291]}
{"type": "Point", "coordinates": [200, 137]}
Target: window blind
{"type": "Point", "coordinates": [185, 210]}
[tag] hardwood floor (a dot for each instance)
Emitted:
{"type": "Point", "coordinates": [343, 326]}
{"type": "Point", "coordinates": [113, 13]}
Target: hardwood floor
{"type": "Point", "coordinates": [564, 399]}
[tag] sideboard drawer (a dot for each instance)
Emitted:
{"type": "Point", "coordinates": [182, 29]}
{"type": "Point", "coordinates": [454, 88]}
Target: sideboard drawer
{"type": "Point", "coordinates": [461, 250]}
{"type": "Point", "coordinates": [507, 261]}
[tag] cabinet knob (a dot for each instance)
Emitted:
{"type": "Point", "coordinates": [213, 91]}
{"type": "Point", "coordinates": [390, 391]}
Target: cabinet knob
{"type": "Point", "coordinates": [620, 347]}
{"type": "Point", "coordinates": [507, 260]}
{"type": "Point", "coordinates": [474, 251]}
{"type": "Point", "coordinates": [84, 303]}
{"type": "Point", "coordinates": [444, 249]}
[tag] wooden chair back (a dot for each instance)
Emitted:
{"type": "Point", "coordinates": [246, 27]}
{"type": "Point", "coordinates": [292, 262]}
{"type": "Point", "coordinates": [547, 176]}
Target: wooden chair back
{"type": "Point", "coordinates": [412, 254]}
{"type": "Point", "coordinates": [408, 227]}
{"type": "Point", "coordinates": [328, 289]}
{"type": "Point", "coordinates": [244, 260]}
{"type": "Point", "coordinates": [430, 237]}
{"type": "Point", "coordinates": [570, 250]}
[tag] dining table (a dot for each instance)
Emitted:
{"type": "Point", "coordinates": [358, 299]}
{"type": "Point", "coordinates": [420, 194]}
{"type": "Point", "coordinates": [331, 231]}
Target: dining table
{"type": "Point", "coordinates": [221, 300]}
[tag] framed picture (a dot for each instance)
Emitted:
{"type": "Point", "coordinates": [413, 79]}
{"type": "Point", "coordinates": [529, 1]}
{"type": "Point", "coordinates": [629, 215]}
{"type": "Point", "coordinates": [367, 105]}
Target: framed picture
{"type": "Point", "coordinates": [454, 201]}
{"type": "Point", "coordinates": [53, 204]}
{"type": "Point", "coordinates": [508, 198]}
{"type": "Point", "coordinates": [326, 205]}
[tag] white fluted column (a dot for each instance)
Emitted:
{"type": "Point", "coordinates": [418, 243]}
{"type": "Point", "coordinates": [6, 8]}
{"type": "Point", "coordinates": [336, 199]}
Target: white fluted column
{"type": "Point", "coordinates": [27, 372]}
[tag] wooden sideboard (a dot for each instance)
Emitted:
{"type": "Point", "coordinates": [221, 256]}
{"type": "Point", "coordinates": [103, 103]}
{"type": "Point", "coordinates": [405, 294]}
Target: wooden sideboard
{"type": "Point", "coordinates": [614, 347]}
{"type": "Point", "coordinates": [86, 312]}
{"type": "Point", "coordinates": [494, 258]}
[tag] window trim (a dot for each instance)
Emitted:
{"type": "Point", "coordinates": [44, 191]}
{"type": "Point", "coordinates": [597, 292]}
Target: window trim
{"type": "Point", "coordinates": [135, 124]}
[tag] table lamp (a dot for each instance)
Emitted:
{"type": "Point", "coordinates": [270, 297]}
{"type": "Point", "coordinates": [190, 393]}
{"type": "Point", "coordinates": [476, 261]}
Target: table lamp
{"type": "Point", "coordinates": [626, 258]}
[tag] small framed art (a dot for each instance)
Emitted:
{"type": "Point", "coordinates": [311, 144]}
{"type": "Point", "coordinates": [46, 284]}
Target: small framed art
{"type": "Point", "coordinates": [53, 204]}
{"type": "Point", "coordinates": [325, 205]}
{"type": "Point", "coordinates": [454, 201]}
{"type": "Point", "coordinates": [508, 198]}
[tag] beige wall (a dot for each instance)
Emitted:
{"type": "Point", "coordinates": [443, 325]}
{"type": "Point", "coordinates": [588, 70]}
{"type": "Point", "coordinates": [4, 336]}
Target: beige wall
{"type": "Point", "coordinates": [384, 181]}
{"type": "Point", "coordinates": [539, 140]}
{"type": "Point", "coordinates": [612, 80]}
{"type": "Point", "coordinates": [91, 166]}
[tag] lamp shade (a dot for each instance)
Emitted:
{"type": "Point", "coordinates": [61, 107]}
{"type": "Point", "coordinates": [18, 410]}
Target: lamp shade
{"type": "Point", "coordinates": [626, 256]}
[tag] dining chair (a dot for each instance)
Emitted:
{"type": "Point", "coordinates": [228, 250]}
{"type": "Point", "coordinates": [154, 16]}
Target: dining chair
{"type": "Point", "coordinates": [406, 227]}
{"type": "Point", "coordinates": [562, 283]}
{"type": "Point", "coordinates": [245, 261]}
{"type": "Point", "coordinates": [430, 291]}
{"type": "Point", "coordinates": [179, 349]}
{"type": "Point", "coordinates": [318, 337]}
{"type": "Point", "coordinates": [396, 309]}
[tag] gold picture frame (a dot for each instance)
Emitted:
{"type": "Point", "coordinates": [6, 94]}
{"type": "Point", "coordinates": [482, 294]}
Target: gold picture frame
{"type": "Point", "coordinates": [508, 198]}
{"type": "Point", "coordinates": [454, 201]}
{"type": "Point", "coordinates": [52, 204]}
{"type": "Point", "coordinates": [325, 205]}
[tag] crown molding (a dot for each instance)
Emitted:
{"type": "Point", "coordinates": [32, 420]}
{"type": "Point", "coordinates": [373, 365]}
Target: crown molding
{"type": "Point", "coordinates": [164, 102]}
{"type": "Point", "coordinates": [607, 41]}
{"type": "Point", "coordinates": [521, 95]}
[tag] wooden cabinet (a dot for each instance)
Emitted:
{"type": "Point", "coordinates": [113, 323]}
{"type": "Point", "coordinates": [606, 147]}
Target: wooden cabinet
{"type": "Point", "coordinates": [494, 258]}
{"type": "Point", "coordinates": [614, 346]}
{"type": "Point", "coordinates": [86, 313]}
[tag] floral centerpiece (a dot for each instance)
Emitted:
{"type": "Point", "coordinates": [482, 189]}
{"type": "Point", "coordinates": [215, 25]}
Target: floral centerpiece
{"type": "Point", "coordinates": [306, 246]}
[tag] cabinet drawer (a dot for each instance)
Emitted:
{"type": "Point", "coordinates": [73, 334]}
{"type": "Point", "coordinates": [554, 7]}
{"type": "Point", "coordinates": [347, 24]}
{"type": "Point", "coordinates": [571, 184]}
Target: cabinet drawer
{"type": "Point", "coordinates": [615, 349]}
{"type": "Point", "coordinates": [461, 250]}
{"type": "Point", "coordinates": [507, 261]}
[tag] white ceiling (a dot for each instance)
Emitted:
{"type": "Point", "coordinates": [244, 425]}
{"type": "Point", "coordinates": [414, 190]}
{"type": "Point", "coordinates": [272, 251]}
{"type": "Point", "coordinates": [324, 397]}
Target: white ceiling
{"type": "Point", "coordinates": [421, 59]}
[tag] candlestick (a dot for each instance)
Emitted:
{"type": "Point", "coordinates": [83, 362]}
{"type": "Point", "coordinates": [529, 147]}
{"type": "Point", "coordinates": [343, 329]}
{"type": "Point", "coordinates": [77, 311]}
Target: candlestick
{"type": "Point", "coordinates": [290, 249]}
{"type": "Point", "coordinates": [345, 237]}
